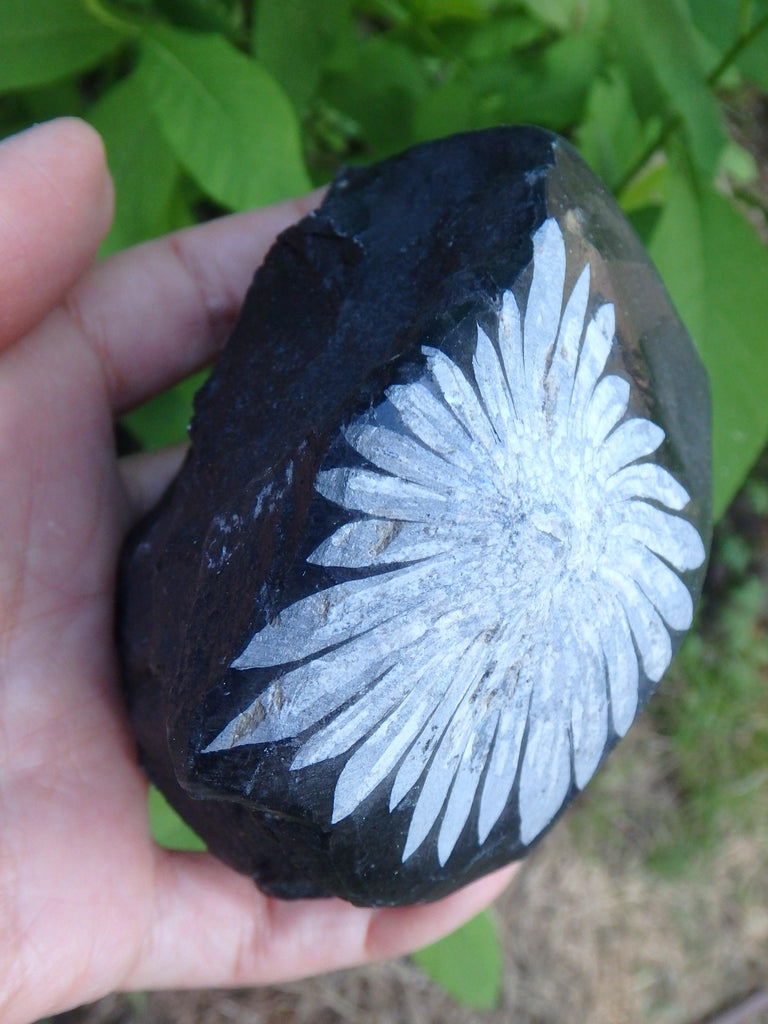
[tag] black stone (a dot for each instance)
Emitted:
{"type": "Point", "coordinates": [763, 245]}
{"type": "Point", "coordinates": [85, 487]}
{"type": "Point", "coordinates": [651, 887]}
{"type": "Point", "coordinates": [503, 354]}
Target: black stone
{"type": "Point", "coordinates": [416, 252]}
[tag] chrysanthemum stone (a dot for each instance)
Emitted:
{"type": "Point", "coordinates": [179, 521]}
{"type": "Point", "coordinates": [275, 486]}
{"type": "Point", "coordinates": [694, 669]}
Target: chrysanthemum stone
{"type": "Point", "coordinates": [441, 529]}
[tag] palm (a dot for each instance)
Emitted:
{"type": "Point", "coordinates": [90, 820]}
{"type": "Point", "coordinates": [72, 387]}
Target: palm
{"type": "Point", "coordinates": [88, 903]}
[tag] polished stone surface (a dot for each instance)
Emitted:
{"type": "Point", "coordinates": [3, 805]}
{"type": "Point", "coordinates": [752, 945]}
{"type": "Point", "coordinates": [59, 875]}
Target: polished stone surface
{"type": "Point", "coordinates": [441, 530]}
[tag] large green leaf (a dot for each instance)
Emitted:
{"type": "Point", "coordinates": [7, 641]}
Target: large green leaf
{"type": "Point", "coordinates": [658, 45]}
{"type": "Point", "coordinates": [467, 964]}
{"type": "Point", "coordinates": [716, 269]}
{"type": "Point", "coordinates": [610, 136]}
{"type": "Point", "coordinates": [42, 40]}
{"type": "Point", "coordinates": [294, 38]}
{"type": "Point", "coordinates": [167, 827]}
{"type": "Point", "coordinates": [226, 118]}
{"type": "Point", "coordinates": [143, 167]}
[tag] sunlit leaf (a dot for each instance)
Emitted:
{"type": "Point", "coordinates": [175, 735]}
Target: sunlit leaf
{"type": "Point", "coordinates": [167, 827]}
{"type": "Point", "coordinates": [467, 964]}
{"type": "Point", "coordinates": [716, 269]}
{"type": "Point", "coordinates": [163, 420]}
{"type": "Point", "coordinates": [42, 40]}
{"type": "Point", "coordinates": [228, 121]}
{"type": "Point", "coordinates": [143, 167]}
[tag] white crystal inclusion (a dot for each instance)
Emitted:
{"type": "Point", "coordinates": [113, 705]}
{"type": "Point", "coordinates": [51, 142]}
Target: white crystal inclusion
{"type": "Point", "coordinates": [520, 561]}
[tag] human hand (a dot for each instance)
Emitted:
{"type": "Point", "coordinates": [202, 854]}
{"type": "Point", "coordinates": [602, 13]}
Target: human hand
{"type": "Point", "coordinates": [88, 902]}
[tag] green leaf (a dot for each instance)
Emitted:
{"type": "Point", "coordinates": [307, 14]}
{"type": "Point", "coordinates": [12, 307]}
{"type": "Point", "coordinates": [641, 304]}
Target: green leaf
{"type": "Point", "coordinates": [445, 109]}
{"type": "Point", "coordinates": [228, 121]}
{"type": "Point", "coordinates": [610, 136]}
{"type": "Point", "coordinates": [163, 420]}
{"type": "Point", "coordinates": [380, 93]}
{"type": "Point", "coordinates": [167, 827]}
{"type": "Point", "coordinates": [716, 269]}
{"type": "Point", "coordinates": [658, 44]}
{"type": "Point", "coordinates": [467, 964]}
{"type": "Point", "coordinates": [42, 40]}
{"type": "Point", "coordinates": [293, 39]}
{"type": "Point", "coordinates": [143, 167]}
{"type": "Point", "coordinates": [551, 87]}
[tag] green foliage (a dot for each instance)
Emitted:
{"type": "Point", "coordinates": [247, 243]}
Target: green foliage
{"type": "Point", "coordinates": [43, 40]}
{"type": "Point", "coordinates": [207, 106]}
{"type": "Point", "coordinates": [714, 709]}
{"type": "Point", "coordinates": [721, 292]}
{"type": "Point", "coordinates": [167, 827]}
{"type": "Point", "coordinates": [467, 964]}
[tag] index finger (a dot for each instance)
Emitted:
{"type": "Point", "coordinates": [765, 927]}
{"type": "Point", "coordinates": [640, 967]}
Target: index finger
{"type": "Point", "coordinates": [159, 311]}
{"type": "Point", "coordinates": [55, 207]}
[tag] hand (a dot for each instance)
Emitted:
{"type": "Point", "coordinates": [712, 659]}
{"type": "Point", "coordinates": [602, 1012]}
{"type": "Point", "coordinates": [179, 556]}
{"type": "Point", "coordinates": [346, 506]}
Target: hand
{"type": "Point", "coordinates": [88, 903]}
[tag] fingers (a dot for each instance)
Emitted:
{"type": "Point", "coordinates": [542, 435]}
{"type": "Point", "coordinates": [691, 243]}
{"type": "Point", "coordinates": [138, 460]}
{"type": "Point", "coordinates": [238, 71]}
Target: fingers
{"type": "Point", "coordinates": [55, 207]}
{"type": "Point", "coordinates": [249, 939]}
{"type": "Point", "coordinates": [161, 310]}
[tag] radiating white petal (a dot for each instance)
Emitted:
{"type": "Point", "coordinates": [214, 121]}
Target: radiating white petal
{"type": "Point", "coordinates": [460, 398]}
{"type": "Point", "coordinates": [428, 418]}
{"type": "Point", "coordinates": [363, 490]}
{"type": "Point", "coordinates": [605, 408]}
{"type": "Point", "coordinates": [545, 772]}
{"type": "Point", "coordinates": [377, 757]}
{"type": "Point", "coordinates": [544, 306]}
{"type": "Point", "coordinates": [649, 631]}
{"type": "Point", "coordinates": [562, 372]}
{"type": "Point", "coordinates": [302, 697]}
{"type": "Point", "coordinates": [675, 539]}
{"type": "Point", "coordinates": [339, 613]}
{"type": "Point", "coordinates": [633, 440]}
{"type": "Point", "coordinates": [664, 588]}
{"type": "Point", "coordinates": [621, 662]}
{"type": "Point", "coordinates": [458, 679]}
{"type": "Point", "coordinates": [589, 711]}
{"type": "Point", "coordinates": [502, 766]}
{"type": "Point", "coordinates": [402, 456]}
{"type": "Point", "coordinates": [511, 348]}
{"type": "Point", "coordinates": [445, 764]}
{"type": "Point", "coordinates": [374, 542]}
{"type": "Point", "coordinates": [647, 480]}
{"type": "Point", "coordinates": [492, 385]}
{"type": "Point", "coordinates": [348, 727]}
{"type": "Point", "coordinates": [468, 775]}
{"type": "Point", "coordinates": [595, 349]}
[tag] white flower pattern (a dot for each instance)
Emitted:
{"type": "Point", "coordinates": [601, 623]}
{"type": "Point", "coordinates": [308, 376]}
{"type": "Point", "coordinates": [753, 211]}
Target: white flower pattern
{"type": "Point", "coordinates": [522, 566]}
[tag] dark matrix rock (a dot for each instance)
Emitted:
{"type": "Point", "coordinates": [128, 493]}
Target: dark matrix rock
{"type": "Point", "coordinates": [440, 532]}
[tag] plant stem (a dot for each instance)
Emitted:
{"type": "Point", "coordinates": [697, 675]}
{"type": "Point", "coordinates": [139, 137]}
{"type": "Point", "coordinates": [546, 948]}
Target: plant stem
{"type": "Point", "coordinates": [672, 123]}
{"type": "Point", "coordinates": [741, 43]}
